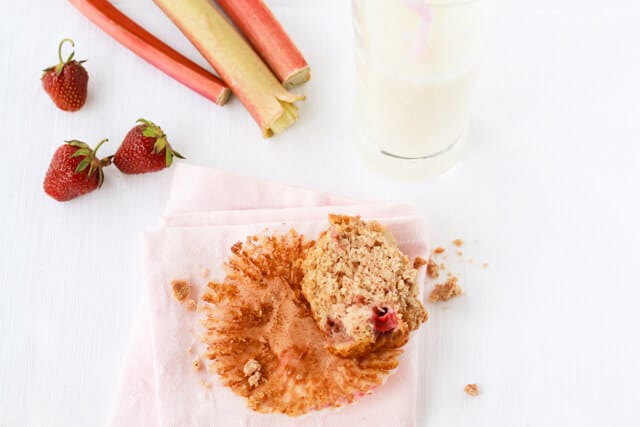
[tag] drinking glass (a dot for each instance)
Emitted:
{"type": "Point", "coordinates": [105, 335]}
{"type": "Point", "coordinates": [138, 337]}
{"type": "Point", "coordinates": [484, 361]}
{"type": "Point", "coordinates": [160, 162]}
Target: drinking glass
{"type": "Point", "coordinates": [416, 67]}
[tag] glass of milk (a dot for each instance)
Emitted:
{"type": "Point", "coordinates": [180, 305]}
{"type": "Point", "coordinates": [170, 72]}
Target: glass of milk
{"type": "Point", "coordinates": [416, 66]}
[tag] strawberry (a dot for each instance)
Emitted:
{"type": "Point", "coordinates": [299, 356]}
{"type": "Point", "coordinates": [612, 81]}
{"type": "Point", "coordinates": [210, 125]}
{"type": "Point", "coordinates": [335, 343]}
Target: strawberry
{"type": "Point", "coordinates": [66, 83]}
{"type": "Point", "coordinates": [144, 149]}
{"type": "Point", "coordinates": [74, 170]}
{"type": "Point", "coordinates": [384, 319]}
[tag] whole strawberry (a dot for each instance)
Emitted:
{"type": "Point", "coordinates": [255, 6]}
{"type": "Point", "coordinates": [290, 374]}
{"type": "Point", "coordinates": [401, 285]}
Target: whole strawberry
{"type": "Point", "coordinates": [144, 149]}
{"type": "Point", "coordinates": [74, 170]}
{"type": "Point", "coordinates": [66, 83]}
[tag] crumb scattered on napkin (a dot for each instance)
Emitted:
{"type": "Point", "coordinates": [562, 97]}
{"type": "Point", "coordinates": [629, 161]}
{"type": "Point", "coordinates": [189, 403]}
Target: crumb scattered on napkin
{"type": "Point", "coordinates": [419, 262]}
{"type": "Point", "coordinates": [181, 289]}
{"type": "Point", "coordinates": [191, 305]}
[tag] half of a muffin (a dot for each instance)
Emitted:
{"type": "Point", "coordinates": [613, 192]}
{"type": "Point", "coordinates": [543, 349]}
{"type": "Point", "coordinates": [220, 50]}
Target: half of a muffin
{"type": "Point", "coordinates": [361, 288]}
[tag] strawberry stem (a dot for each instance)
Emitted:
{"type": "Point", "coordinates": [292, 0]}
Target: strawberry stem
{"type": "Point", "coordinates": [95, 150]}
{"type": "Point", "coordinates": [60, 50]}
{"type": "Point", "coordinates": [107, 161]}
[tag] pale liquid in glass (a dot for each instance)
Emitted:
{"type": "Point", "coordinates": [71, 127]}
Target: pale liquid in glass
{"type": "Point", "coordinates": [416, 66]}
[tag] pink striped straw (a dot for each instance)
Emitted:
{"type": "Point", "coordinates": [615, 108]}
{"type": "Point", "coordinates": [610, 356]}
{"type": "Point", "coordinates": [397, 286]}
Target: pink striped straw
{"type": "Point", "coordinates": [425, 13]}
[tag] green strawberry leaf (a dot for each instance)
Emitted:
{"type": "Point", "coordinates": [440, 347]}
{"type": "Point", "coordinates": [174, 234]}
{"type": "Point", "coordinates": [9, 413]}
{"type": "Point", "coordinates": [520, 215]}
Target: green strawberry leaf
{"type": "Point", "coordinates": [76, 143]}
{"type": "Point", "coordinates": [168, 158]}
{"type": "Point", "coordinates": [149, 132]}
{"type": "Point", "coordinates": [81, 152]}
{"type": "Point", "coordinates": [83, 165]}
{"type": "Point", "coordinates": [160, 144]}
{"type": "Point", "coordinates": [178, 155]}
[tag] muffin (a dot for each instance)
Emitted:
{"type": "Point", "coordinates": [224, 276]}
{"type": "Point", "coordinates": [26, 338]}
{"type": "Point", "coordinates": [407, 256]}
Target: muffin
{"type": "Point", "coordinates": [361, 288]}
{"type": "Point", "coordinates": [262, 340]}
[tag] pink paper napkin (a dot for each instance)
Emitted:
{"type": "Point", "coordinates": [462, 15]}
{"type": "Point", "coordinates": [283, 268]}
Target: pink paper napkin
{"type": "Point", "coordinates": [208, 211]}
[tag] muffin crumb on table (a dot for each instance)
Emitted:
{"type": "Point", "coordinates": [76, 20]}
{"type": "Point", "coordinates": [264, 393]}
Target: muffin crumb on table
{"type": "Point", "coordinates": [446, 290]}
{"type": "Point", "coordinates": [471, 390]}
{"type": "Point", "coordinates": [433, 270]}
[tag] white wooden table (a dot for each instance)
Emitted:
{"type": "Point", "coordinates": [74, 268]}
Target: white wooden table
{"type": "Point", "coordinates": [547, 194]}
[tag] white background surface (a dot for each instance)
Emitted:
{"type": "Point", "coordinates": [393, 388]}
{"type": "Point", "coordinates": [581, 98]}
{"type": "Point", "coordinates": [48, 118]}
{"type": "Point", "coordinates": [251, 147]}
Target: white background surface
{"type": "Point", "coordinates": [547, 194]}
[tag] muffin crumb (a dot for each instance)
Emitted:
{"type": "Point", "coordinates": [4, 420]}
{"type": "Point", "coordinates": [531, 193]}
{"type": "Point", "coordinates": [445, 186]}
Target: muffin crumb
{"type": "Point", "coordinates": [181, 289]}
{"type": "Point", "coordinates": [432, 269]}
{"type": "Point", "coordinates": [196, 365]}
{"type": "Point", "coordinates": [458, 242]}
{"type": "Point", "coordinates": [251, 370]}
{"type": "Point", "coordinates": [485, 265]}
{"type": "Point", "coordinates": [471, 390]}
{"type": "Point", "coordinates": [446, 290]}
{"type": "Point", "coordinates": [419, 262]}
{"type": "Point", "coordinates": [459, 253]}
{"type": "Point", "coordinates": [438, 250]}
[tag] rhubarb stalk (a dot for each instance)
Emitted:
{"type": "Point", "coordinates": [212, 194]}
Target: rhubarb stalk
{"type": "Point", "coordinates": [268, 38]}
{"type": "Point", "coordinates": [151, 49]}
{"type": "Point", "coordinates": [270, 104]}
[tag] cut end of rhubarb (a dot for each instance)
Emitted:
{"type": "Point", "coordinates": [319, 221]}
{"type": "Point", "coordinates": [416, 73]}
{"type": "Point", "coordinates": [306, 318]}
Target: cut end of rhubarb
{"type": "Point", "coordinates": [285, 119]}
{"type": "Point", "coordinates": [297, 77]}
{"type": "Point", "coordinates": [224, 96]}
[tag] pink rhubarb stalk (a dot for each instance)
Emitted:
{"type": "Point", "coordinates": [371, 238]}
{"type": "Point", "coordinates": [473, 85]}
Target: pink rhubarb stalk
{"type": "Point", "coordinates": [270, 104]}
{"type": "Point", "coordinates": [148, 47]}
{"type": "Point", "coordinates": [269, 40]}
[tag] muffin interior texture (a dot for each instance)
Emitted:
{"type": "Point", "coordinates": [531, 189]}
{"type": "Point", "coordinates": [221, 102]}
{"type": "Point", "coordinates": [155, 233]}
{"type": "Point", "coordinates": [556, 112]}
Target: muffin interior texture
{"type": "Point", "coordinates": [361, 288]}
